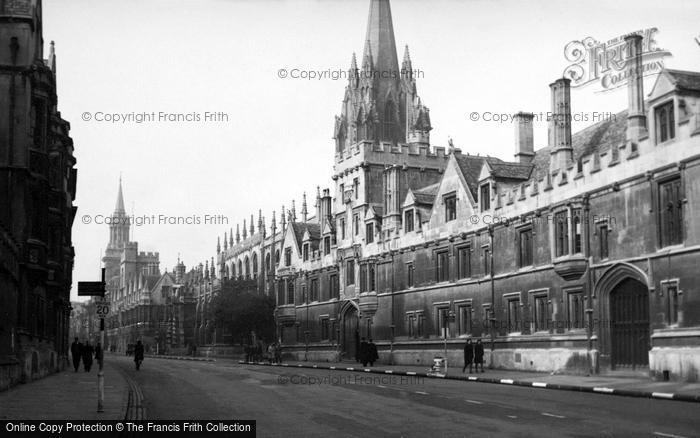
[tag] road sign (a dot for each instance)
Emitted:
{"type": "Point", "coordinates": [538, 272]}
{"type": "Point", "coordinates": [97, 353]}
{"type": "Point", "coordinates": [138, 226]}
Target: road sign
{"type": "Point", "coordinates": [102, 309]}
{"type": "Point", "coordinates": [90, 288]}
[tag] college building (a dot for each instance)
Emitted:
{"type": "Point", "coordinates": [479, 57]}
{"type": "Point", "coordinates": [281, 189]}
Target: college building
{"type": "Point", "coordinates": [37, 190]}
{"type": "Point", "coordinates": [577, 256]}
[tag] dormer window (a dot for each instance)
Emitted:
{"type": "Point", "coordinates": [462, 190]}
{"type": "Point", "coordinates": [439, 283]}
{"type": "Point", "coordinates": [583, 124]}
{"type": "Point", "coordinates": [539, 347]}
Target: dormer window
{"type": "Point", "coordinates": [369, 233]}
{"type": "Point", "coordinates": [485, 196]}
{"type": "Point", "coordinates": [409, 222]}
{"type": "Point", "coordinates": [326, 245]}
{"type": "Point", "coordinates": [665, 123]}
{"type": "Point", "coordinates": [288, 256]}
{"type": "Point", "coordinates": [305, 252]}
{"type": "Point", "coordinates": [450, 207]}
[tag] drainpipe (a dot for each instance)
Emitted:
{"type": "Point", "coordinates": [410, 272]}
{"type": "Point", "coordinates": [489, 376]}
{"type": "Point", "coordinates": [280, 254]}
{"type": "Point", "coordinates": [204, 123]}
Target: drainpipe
{"type": "Point", "coordinates": [589, 284]}
{"type": "Point", "coordinates": [493, 296]}
{"type": "Point", "coordinates": [393, 321]}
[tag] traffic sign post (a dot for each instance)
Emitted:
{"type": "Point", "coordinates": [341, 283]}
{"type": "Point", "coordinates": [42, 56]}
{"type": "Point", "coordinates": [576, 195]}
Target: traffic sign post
{"type": "Point", "coordinates": [97, 289]}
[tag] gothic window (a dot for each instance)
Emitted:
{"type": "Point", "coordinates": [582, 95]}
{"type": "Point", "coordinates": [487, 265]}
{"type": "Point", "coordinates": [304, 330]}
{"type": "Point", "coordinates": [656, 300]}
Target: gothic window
{"type": "Point", "coordinates": [327, 245]}
{"type": "Point", "coordinates": [408, 221]}
{"type": "Point", "coordinates": [665, 124]}
{"type": "Point", "coordinates": [464, 262]}
{"type": "Point", "coordinates": [442, 267]}
{"type": "Point", "coordinates": [287, 256]}
{"type": "Point", "coordinates": [369, 233]}
{"type": "Point", "coordinates": [410, 275]}
{"type": "Point", "coordinates": [485, 196]}
{"type": "Point", "coordinates": [388, 125]}
{"type": "Point", "coordinates": [575, 309]}
{"type": "Point", "coordinates": [671, 212]}
{"type": "Point", "coordinates": [464, 319]}
{"type": "Point", "coordinates": [247, 268]}
{"type": "Point", "coordinates": [267, 262]}
{"type": "Point", "coordinates": [525, 249]}
{"type": "Point", "coordinates": [576, 229]}
{"type": "Point", "coordinates": [255, 266]}
{"type": "Point", "coordinates": [450, 207]}
{"type": "Point", "coordinates": [561, 233]}
{"type": "Point", "coordinates": [334, 286]}
{"type": "Point", "coordinates": [350, 272]}
{"type": "Point", "coordinates": [240, 270]}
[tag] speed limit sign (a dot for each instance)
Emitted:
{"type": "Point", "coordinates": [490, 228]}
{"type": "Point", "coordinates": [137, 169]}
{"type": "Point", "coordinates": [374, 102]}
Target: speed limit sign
{"type": "Point", "coordinates": [102, 309]}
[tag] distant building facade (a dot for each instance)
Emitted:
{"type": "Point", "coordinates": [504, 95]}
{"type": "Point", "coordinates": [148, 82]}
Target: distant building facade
{"type": "Point", "coordinates": [145, 304]}
{"type": "Point", "coordinates": [37, 190]}
{"type": "Point", "coordinates": [579, 256]}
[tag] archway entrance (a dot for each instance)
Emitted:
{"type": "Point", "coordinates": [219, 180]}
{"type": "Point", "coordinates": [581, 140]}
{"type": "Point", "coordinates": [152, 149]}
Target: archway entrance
{"type": "Point", "coordinates": [629, 324]}
{"type": "Point", "coordinates": [351, 333]}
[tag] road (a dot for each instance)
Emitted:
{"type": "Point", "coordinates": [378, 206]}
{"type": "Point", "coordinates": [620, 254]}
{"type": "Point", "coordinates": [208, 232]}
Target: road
{"type": "Point", "coordinates": [291, 402]}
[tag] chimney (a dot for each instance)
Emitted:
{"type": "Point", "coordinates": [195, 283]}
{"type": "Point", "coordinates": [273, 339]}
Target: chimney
{"type": "Point", "coordinates": [326, 201]}
{"type": "Point", "coordinates": [560, 125]}
{"type": "Point", "coordinates": [524, 140]}
{"type": "Point", "coordinates": [636, 116]}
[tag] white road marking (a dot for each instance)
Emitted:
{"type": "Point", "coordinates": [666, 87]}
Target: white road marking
{"type": "Point", "coordinates": [662, 395]}
{"type": "Point", "coordinates": [331, 368]}
{"type": "Point", "coordinates": [547, 414]}
{"type": "Point", "coordinates": [388, 372]}
{"type": "Point", "coordinates": [472, 378]}
{"type": "Point", "coordinates": [605, 390]}
{"type": "Point", "coordinates": [410, 373]}
{"type": "Point", "coordinates": [350, 369]}
{"type": "Point", "coordinates": [512, 416]}
{"type": "Point", "coordinates": [539, 384]}
{"type": "Point", "coordinates": [507, 381]}
{"type": "Point", "coordinates": [421, 392]}
{"type": "Point", "coordinates": [668, 435]}
{"type": "Point", "coordinates": [474, 402]}
{"type": "Point", "coordinates": [367, 370]}
{"type": "Point", "coordinates": [381, 386]}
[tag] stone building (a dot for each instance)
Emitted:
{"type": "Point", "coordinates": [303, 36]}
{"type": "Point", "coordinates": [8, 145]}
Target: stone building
{"type": "Point", "coordinates": [580, 255]}
{"type": "Point", "coordinates": [37, 190]}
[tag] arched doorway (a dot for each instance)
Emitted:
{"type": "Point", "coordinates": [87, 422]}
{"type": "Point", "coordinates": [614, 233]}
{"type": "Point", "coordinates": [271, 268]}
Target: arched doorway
{"type": "Point", "coordinates": [629, 324]}
{"type": "Point", "coordinates": [350, 336]}
{"type": "Point", "coordinates": [622, 323]}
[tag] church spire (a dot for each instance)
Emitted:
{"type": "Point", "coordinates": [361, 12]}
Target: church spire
{"type": "Point", "coordinates": [380, 36]}
{"type": "Point", "coordinates": [119, 208]}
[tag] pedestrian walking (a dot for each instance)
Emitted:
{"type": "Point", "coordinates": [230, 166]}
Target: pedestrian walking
{"type": "Point", "coordinates": [138, 354]}
{"type": "Point", "coordinates": [88, 352]}
{"type": "Point", "coordinates": [479, 355]}
{"type": "Point", "coordinates": [364, 352]}
{"type": "Point", "coordinates": [468, 355]}
{"type": "Point", "coordinates": [76, 351]}
{"type": "Point", "coordinates": [372, 354]}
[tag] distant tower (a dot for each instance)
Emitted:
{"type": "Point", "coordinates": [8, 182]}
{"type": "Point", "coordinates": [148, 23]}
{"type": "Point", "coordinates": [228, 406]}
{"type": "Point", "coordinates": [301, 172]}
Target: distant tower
{"type": "Point", "coordinates": [118, 236]}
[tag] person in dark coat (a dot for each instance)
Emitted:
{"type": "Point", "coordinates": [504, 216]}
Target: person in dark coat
{"type": "Point", "coordinates": [364, 352]}
{"type": "Point", "coordinates": [479, 355]}
{"type": "Point", "coordinates": [138, 354]}
{"type": "Point", "coordinates": [468, 355]}
{"type": "Point", "coordinates": [372, 354]}
{"type": "Point", "coordinates": [88, 352]}
{"type": "Point", "coordinates": [76, 351]}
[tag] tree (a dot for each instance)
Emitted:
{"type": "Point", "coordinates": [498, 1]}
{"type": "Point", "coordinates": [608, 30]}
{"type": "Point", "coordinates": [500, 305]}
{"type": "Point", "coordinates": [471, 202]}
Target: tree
{"type": "Point", "coordinates": [242, 310]}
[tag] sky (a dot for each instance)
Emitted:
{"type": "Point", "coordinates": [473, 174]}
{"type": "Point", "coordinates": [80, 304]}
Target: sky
{"type": "Point", "coordinates": [274, 139]}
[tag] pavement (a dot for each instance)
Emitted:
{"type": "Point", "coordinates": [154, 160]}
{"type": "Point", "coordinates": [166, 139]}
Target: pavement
{"type": "Point", "coordinates": [68, 395]}
{"type": "Point", "coordinates": [615, 384]}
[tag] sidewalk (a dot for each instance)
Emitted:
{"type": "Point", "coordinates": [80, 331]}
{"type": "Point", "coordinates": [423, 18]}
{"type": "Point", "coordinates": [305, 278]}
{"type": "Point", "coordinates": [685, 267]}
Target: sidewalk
{"type": "Point", "coordinates": [600, 383]}
{"type": "Point", "coordinates": [67, 395]}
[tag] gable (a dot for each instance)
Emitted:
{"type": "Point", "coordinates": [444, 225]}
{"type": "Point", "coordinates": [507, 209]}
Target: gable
{"type": "Point", "coordinates": [663, 85]}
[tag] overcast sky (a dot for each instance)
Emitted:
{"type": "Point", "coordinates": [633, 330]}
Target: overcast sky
{"type": "Point", "coordinates": [185, 57]}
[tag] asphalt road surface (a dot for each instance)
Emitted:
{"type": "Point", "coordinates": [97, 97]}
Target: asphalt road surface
{"type": "Point", "coordinates": [295, 402]}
